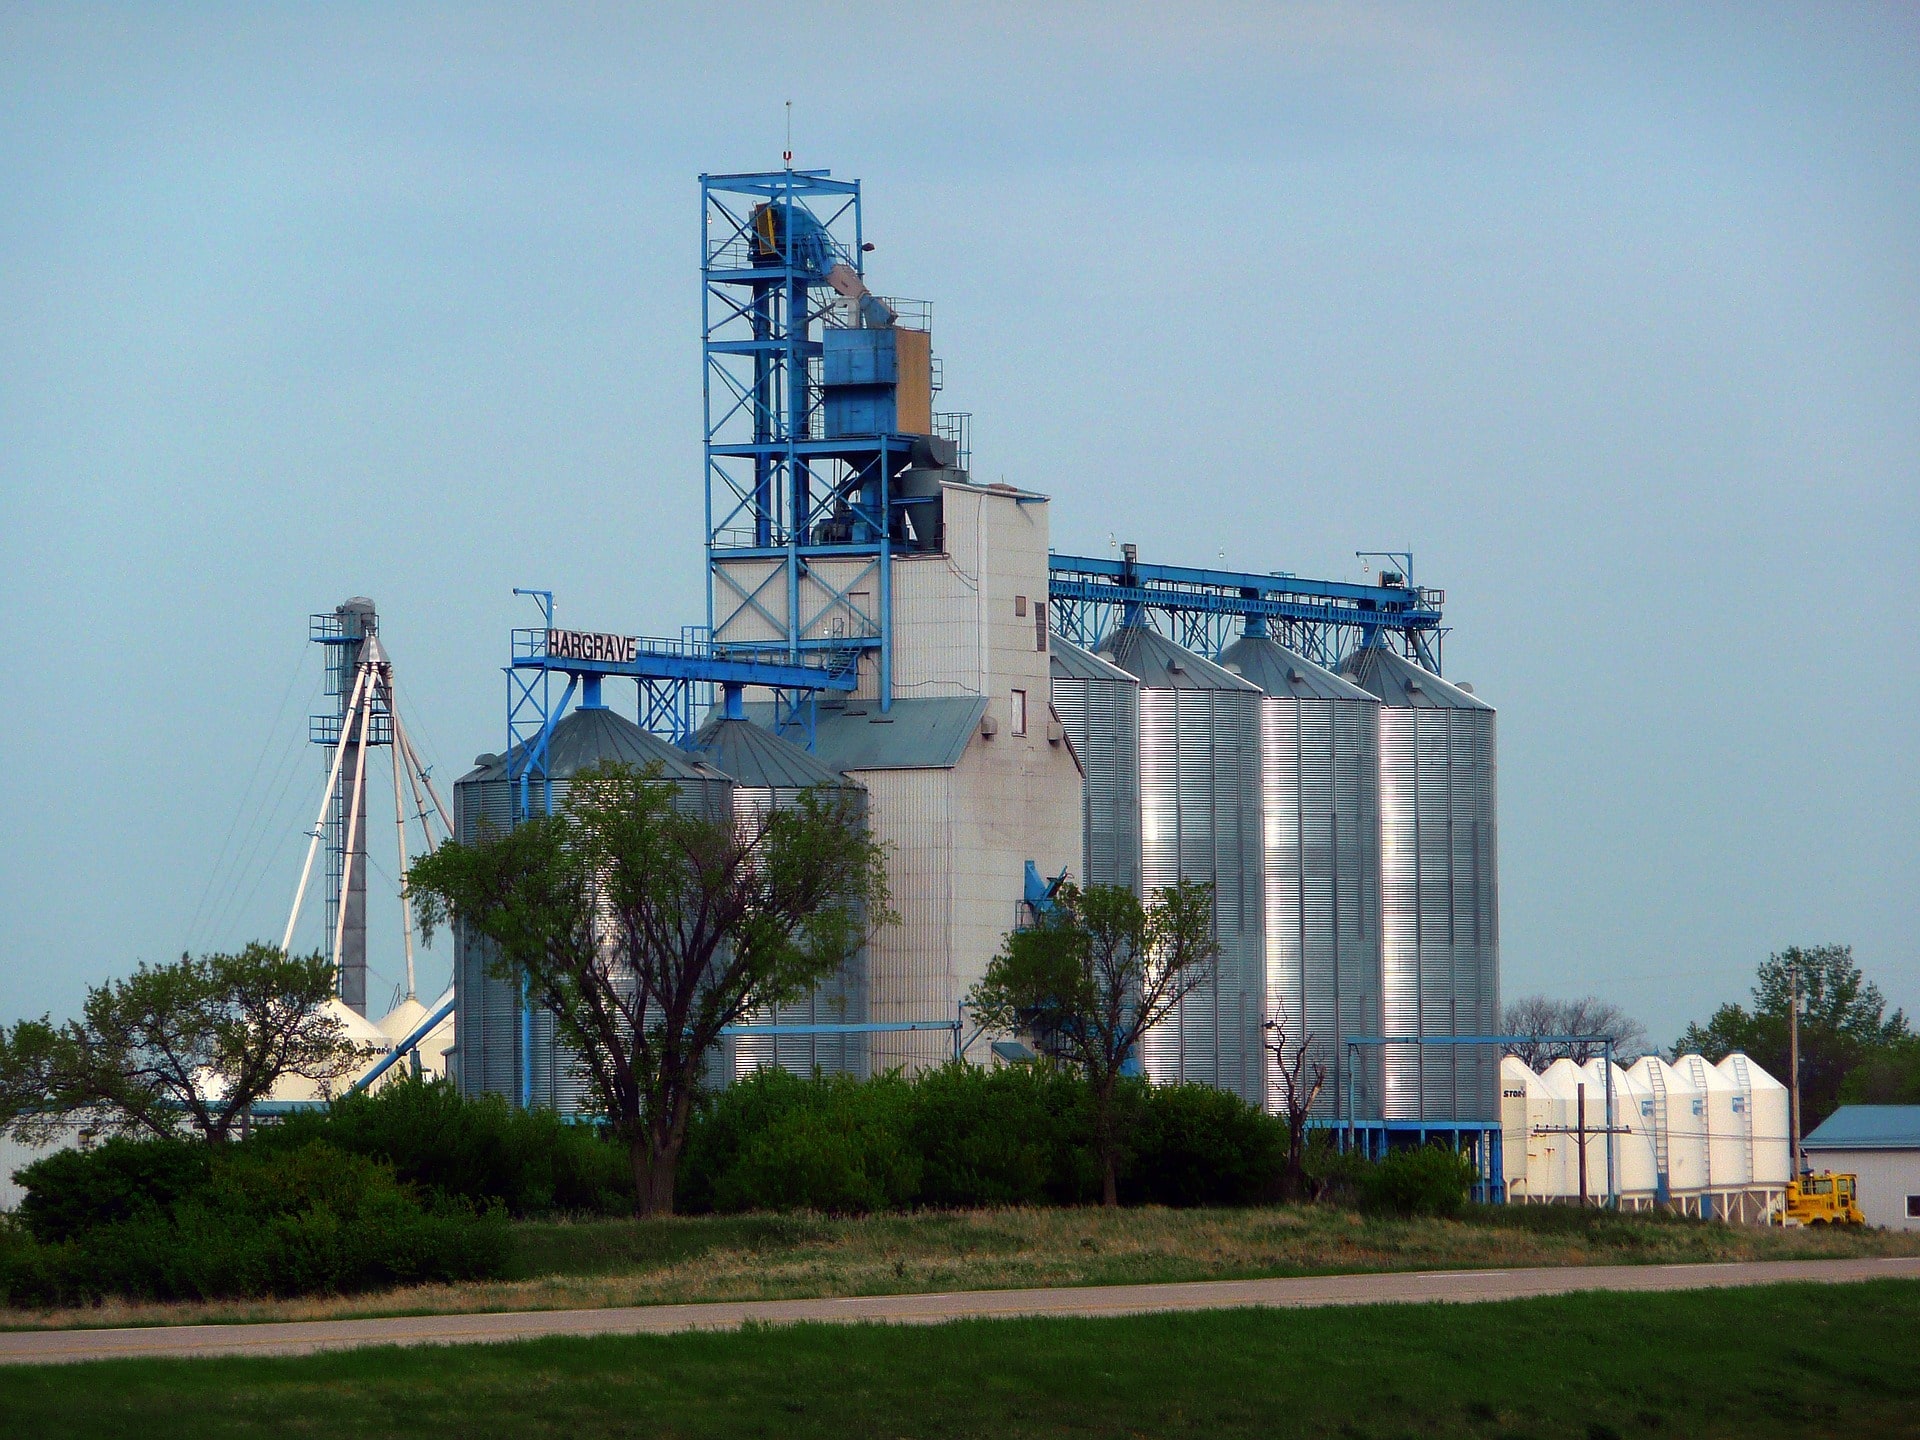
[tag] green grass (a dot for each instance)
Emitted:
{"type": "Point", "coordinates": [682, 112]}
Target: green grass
{"type": "Point", "coordinates": [1790, 1360]}
{"type": "Point", "coordinates": [559, 1264]}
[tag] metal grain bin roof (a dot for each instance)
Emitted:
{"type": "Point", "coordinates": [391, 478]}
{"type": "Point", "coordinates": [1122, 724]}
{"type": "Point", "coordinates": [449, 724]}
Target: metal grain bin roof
{"type": "Point", "coordinates": [928, 733]}
{"type": "Point", "coordinates": [1279, 671]}
{"type": "Point", "coordinates": [1069, 662]}
{"type": "Point", "coordinates": [1400, 683]}
{"type": "Point", "coordinates": [1159, 664]}
{"type": "Point", "coordinates": [585, 737]}
{"type": "Point", "coordinates": [761, 760]}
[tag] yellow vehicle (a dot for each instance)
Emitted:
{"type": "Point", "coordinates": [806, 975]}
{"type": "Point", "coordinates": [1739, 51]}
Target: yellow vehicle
{"type": "Point", "coordinates": [1823, 1199]}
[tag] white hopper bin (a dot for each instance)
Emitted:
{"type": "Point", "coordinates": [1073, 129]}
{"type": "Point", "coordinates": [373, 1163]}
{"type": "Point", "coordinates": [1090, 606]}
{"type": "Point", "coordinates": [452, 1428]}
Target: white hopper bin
{"type": "Point", "coordinates": [1525, 1106]}
{"type": "Point", "coordinates": [1639, 1163]}
{"type": "Point", "coordinates": [1765, 1106]}
{"type": "Point", "coordinates": [1635, 1175]}
{"type": "Point", "coordinates": [1563, 1081]}
{"type": "Point", "coordinates": [1729, 1166]}
{"type": "Point", "coordinates": [1680, 1124]}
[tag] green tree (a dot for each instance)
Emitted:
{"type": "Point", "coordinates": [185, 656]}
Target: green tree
{"type": "Point", "coordinates": [645, 930]}
{"type": "Point", "coordinates": [1843, 1023]}
{"type": "Point", "coordinates": [192, 1044]}
{"type": "Point", "coordinates": [1095, 974]}
{"type": "Point", "coordinates": [1889, 1075]}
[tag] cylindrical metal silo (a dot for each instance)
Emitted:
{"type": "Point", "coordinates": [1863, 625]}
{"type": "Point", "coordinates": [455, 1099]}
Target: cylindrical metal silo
{"type": "Point", "coordinates": [1440, 902]}
{"type": "Point", "coordinates": [1100, 706]}
{"type": "Point", "coordinates": [1200, 820]}
{"type": "Point", "coordinates": [1320, 800]}
{"type": "Point", "coordinates": [768, 771]}
{"type": "Point", "coordinates": [505, 1047]}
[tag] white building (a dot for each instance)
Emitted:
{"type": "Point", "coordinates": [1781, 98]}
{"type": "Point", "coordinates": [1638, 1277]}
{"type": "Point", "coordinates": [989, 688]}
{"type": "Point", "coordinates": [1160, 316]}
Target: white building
{"type": "Point", "coordinates": [1880, 1144]}
{"type": "Point", "coordinates": [968, 773]}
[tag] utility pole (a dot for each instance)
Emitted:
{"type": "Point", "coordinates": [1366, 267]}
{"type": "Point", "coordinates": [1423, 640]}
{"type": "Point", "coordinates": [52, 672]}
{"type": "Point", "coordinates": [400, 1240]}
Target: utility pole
{"type": "Point", "coordinates": [1582, 1133]}
{"type": "Point", "coordinates": [1793, 1062]}
{"type": "Point", "coordinates": [1581, 1123]}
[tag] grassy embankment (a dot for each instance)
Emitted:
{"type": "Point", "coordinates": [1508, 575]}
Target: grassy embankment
{"type": "Point", "coordinates": [1787, 1360]}
{"type": "Point", "coordinates": [632, 1262]}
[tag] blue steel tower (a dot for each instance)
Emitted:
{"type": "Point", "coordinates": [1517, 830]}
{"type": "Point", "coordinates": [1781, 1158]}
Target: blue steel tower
{"type": "Point", "coordinates": [818, 394]}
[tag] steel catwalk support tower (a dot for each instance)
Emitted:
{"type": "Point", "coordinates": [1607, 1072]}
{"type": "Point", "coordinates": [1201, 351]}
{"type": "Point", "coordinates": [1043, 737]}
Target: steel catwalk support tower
{"type": "Point", "coordinates": [817, 394]}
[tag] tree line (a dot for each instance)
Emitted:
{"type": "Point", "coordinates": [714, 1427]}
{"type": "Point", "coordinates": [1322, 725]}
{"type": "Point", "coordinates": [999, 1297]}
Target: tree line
{"type": "Point", "coordinates": [1853, 1048]}
{"type": "Point", "coordinates": [646, 929]}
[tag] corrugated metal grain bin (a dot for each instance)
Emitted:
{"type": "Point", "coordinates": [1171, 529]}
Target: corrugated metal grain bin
{"type": "Point", "coordinates": [489, 1010]}
{"type": "Point", "coordinates": [1440, 907]}
{"type": "Point", "coordinates": [1100, 706]}
{"type": "Point", "coordinates": [1320, 798]}
{"type": "Point", "coordinates": [1200, 820]}
{"type": "Point", "coordinates": [767, 772]}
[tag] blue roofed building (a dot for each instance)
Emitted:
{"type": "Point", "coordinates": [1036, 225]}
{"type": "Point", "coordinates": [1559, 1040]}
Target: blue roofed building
{"type": "Point", "coordinates": [1880, 1144]}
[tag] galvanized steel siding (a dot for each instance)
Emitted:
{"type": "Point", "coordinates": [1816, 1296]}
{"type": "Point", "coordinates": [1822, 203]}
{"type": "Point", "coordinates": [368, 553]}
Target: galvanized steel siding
{"type": "Point", "coordinates": [1440, 909]}
{"type": "Point", "coordinates": [1200, 820]}
{"type": "Point", "coordinates": [488, 1008]}
{"type": "Point", "coordinates": [1102, 718]}
{"type": "Point", "coordinates": [486, 1026]}
{"type": "Point", "coordinates": [1320, 795]}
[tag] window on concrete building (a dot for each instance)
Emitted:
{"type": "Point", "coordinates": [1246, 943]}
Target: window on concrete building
{"type": "Point", "coordinates": [1020, 605]}
{"type": "Point", "coordinates": [1017, 713]}
{"type": "Point", "coordinates": [1913, 1207]}
{"type": "Point", "coordinates": [1040, 626]}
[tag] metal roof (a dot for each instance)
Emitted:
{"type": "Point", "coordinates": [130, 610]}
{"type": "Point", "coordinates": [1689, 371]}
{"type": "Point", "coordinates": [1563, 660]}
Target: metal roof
{"type": "Point", "coordinates": [1868, 1127]}
{"type": "Point", "coordinates": [758, 758]}
{"type": "Point", "coordinates": [586, 736]}
{"type": "Point", "coordinates": [1069, 662]}
{"type": "Point", "coordinates": [1278, 671]}
{"type": "Point", "coordinates": [925, 733]}
{"type": "Point", "coordinates": [1404, 685]}
{"type": "Point", "coordinates": [1159, 664]}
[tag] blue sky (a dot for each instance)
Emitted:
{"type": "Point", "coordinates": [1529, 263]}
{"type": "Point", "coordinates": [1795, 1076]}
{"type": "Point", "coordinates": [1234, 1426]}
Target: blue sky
{"type": "Point", "coordinates": [1609, 313]}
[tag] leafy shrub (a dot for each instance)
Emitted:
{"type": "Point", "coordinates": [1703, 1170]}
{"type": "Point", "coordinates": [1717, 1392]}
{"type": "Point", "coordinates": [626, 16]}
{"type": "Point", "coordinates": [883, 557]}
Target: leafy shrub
{"type": "Point", "coordinates": [31, 1273]}
{"type": "Point", "coordinates": [831, 1159]}
{"type": "Point", "coordinates": [1425, 1180]}
{"type": "Point", "coordinates": [71, 1191]}
{"type": "Point", "coordinates": [267, 1221]}
{"type": "Point", "coordinates": [777, 1141]}
{"type": "Point", "coordinates": [965, 1136]}
{"type": "Point", "coordinates": [479, 1149]}
{"type": "Point", "coordinates": [1195, 1145]}
{"type": "Point", "coordinates": [1334, 1175]}
{"type": "Point", "coordinates": [1018, 1135]}
{"type": "Point", "coordinates": [725, 1123]}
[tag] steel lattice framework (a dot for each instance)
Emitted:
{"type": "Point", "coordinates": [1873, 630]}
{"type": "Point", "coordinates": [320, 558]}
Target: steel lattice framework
{"type": "Point", "coordinates": [780, 491]}
{"type": "Point", "coordinates": [1205, 609]}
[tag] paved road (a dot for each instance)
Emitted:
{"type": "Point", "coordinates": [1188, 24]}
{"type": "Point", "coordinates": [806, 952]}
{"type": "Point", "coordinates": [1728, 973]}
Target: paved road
{"type": "Point", "coordinates": [1452, 1286]}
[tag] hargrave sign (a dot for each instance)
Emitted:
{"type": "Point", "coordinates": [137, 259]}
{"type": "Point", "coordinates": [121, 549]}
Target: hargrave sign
{"type": "Point", "coordinates": [591, 645]}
